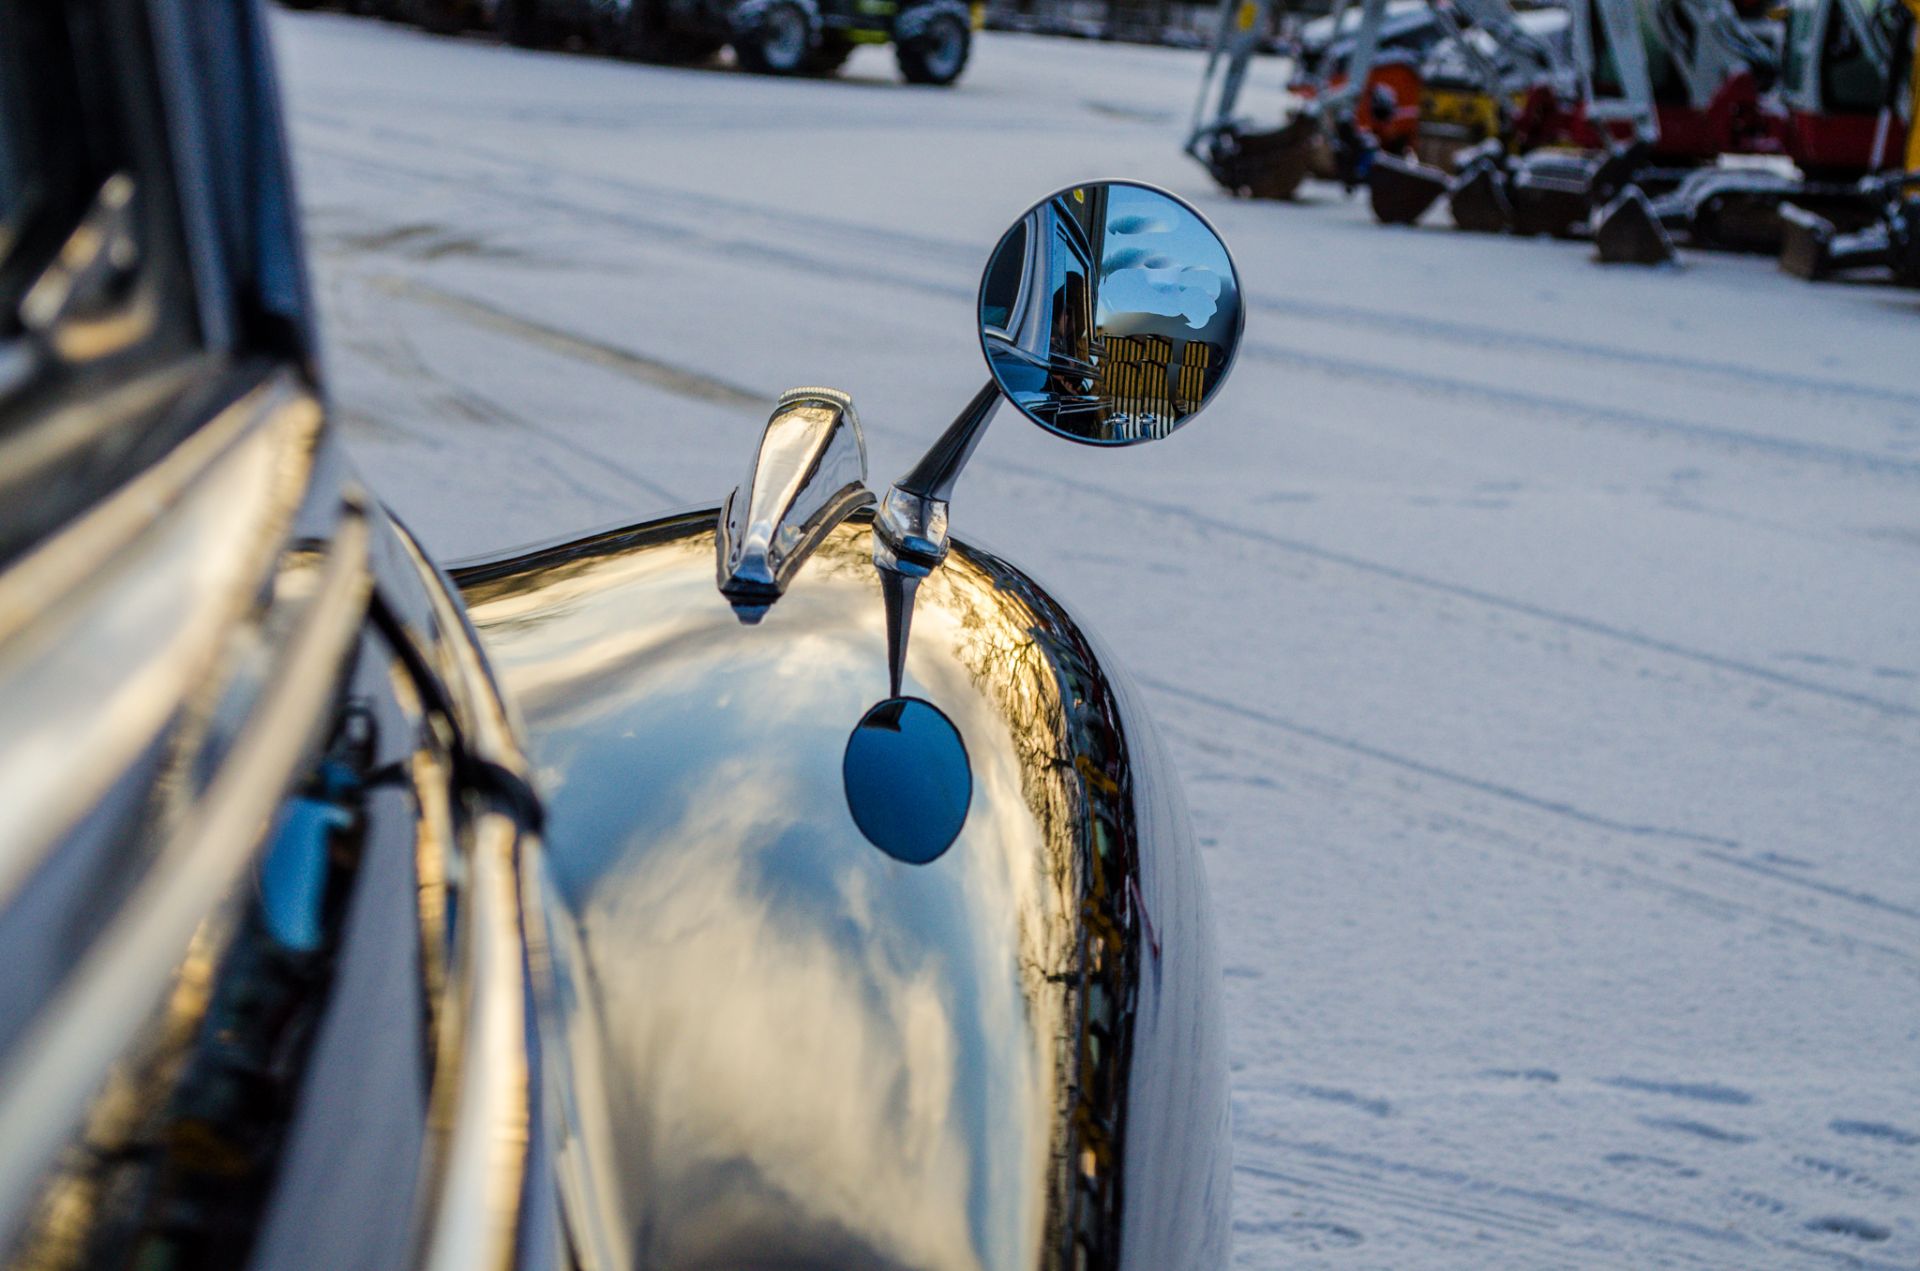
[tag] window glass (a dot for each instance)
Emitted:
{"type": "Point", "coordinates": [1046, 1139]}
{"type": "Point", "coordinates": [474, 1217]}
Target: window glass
{"type": "Point", "coordinates": [52, 157]}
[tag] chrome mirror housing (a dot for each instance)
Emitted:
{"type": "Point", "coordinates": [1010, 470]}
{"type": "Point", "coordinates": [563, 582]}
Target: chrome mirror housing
{"type": "Point", "coordinates": [1110, 313]}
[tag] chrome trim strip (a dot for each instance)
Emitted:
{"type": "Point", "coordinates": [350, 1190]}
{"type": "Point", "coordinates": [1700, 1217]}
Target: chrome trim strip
{"type": "Point", "coordinates": [490, 726]}
{"type": "Point", "coordinates": [581, 1146]}
{"type": "Point", "coordinates": [109, 997]}
{"type": "Point", "coordinates": [66, 562]}
{"type": "Point", "coordinates": [130, 607]}
{"type": "Point", "coordinates": [471, 1216]}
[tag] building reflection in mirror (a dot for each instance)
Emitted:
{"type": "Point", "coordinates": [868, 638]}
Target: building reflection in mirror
{"type": "Point", "coordinates": [802, 1044]}
{"type": "Point", "coordinates": [1109, 313]}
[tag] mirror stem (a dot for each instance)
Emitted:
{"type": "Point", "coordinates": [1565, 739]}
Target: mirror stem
{"type": "Point", "coordinates": [933, 477]}
{"type": "Point", "coordinates": [910, 530]}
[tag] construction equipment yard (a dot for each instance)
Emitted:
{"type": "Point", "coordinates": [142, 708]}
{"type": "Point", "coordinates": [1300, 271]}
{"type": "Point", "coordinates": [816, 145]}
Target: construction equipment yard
{"type": "Point", "coordinates": [1539, 641]}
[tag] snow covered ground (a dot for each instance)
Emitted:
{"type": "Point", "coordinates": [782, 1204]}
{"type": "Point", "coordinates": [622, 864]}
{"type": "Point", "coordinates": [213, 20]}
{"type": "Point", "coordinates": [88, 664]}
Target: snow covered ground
{"type": "Point", "coordinates": [1540, 644]}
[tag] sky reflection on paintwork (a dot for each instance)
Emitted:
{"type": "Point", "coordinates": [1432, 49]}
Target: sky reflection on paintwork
{"type": "Point", "coordinates": [816, 1049]}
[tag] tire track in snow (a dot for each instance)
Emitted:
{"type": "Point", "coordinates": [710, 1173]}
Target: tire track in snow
{"type": "Point", "coordinates": [1880, 927]}
{"type": "Point", "coordinates": [678, 380]}
{"type": "Point", "coordinates": [1468, 335]}
{"type": "Point", "coordinates": [1536, 405]}
{"type": "Point", "coordinates": [1825, 889]}
{"type": "Point", "coordinates": [400, 357]}
{"type": "Point", "coordinates": [1381, 1188]}
{"type": "Point", "coordinates": [1346, 1195]}
{"type": "Point", "coordinates": [675, 378]}
{"type": "Point", "coordinates": [1591, 626]}
{"type": "Point", "coordinates": [1422, 768]}
{"type": "Point", "coordinates": [857, 236]}
{"type": "Point", "coordinates": [707, 236]}
{"type": "Point", "coordinates": [863, 238]}
{"type": "Point", "coordinates": [1527, 405]}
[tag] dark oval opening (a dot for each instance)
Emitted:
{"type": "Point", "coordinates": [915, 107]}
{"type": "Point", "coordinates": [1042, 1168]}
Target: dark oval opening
{"type": "Point", "coordinates": [908, 779]}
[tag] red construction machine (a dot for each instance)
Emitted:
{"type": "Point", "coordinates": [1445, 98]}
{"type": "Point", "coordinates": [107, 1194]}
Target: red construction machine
{"type": "Point", "coordinates": [1815, 246]}
{"type": "Point", "coordinates": [1843, 111]}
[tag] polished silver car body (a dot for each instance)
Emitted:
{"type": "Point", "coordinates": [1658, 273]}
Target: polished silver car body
{"type": "Point", "coordinates": [687, 949]}
{"type": "Point", "coordinates": [777, 1036]}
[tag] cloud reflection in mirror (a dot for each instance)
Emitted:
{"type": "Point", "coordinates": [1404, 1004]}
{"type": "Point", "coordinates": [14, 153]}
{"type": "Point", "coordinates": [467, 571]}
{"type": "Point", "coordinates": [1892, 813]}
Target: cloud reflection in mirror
{"type": "Point", "coordinates": [1110, 313]}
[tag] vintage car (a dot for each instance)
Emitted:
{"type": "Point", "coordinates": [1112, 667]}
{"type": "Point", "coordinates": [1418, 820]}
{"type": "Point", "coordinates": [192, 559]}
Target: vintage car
{"type": "Point", "coordinates": [780, 884]}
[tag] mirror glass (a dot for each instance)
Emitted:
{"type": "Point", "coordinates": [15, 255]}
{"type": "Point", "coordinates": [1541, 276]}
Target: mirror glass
{"type": "Point", "coordinates": [1109, 313]}
{"type": "Point", "coordinates": [908, 779]}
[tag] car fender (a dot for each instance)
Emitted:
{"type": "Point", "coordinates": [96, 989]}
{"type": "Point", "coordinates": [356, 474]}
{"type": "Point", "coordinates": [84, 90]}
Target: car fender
{"type": "Point", "coordinates": [777, 1043]}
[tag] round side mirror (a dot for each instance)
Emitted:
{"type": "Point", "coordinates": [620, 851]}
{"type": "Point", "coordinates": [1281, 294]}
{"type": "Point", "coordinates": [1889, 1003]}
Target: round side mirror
{"type": "Point", "coordinates": [1110, 313]}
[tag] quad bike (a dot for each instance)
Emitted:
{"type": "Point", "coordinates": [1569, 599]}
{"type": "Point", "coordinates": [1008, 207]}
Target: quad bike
{"type": "Point", "coordinates": [932, 39]}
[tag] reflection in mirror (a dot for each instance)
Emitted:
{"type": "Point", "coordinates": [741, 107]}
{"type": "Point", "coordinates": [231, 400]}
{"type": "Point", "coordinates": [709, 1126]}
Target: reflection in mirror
{"type": "Point", "coordinates": [908, 779]}
{"type": "Point", "coordinates": [1110, 313]}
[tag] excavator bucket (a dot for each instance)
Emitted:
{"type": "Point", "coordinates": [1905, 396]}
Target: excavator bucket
{"type": "Point", "coordinates": [1738, 220]}
{"type": "Point", "coordinates": [1403, 189]}
{"type": "Point", "coordinates": [1551, 192]}
{"type": "Point", "coordinates": [1478, 198]}
{"type": "Point", "coordinates": [1738, 209]}
{"type": "Point", "coordinates": [1804, 242]}
{"type": "Point", "coordinates": [1811, 247]}
{"type": "Point", "coordinates": [1549, 200]}
{"type": "Point", "coordinates": [1264, 165]}
{"type": "Point", "coordinates": [1628, 232]}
